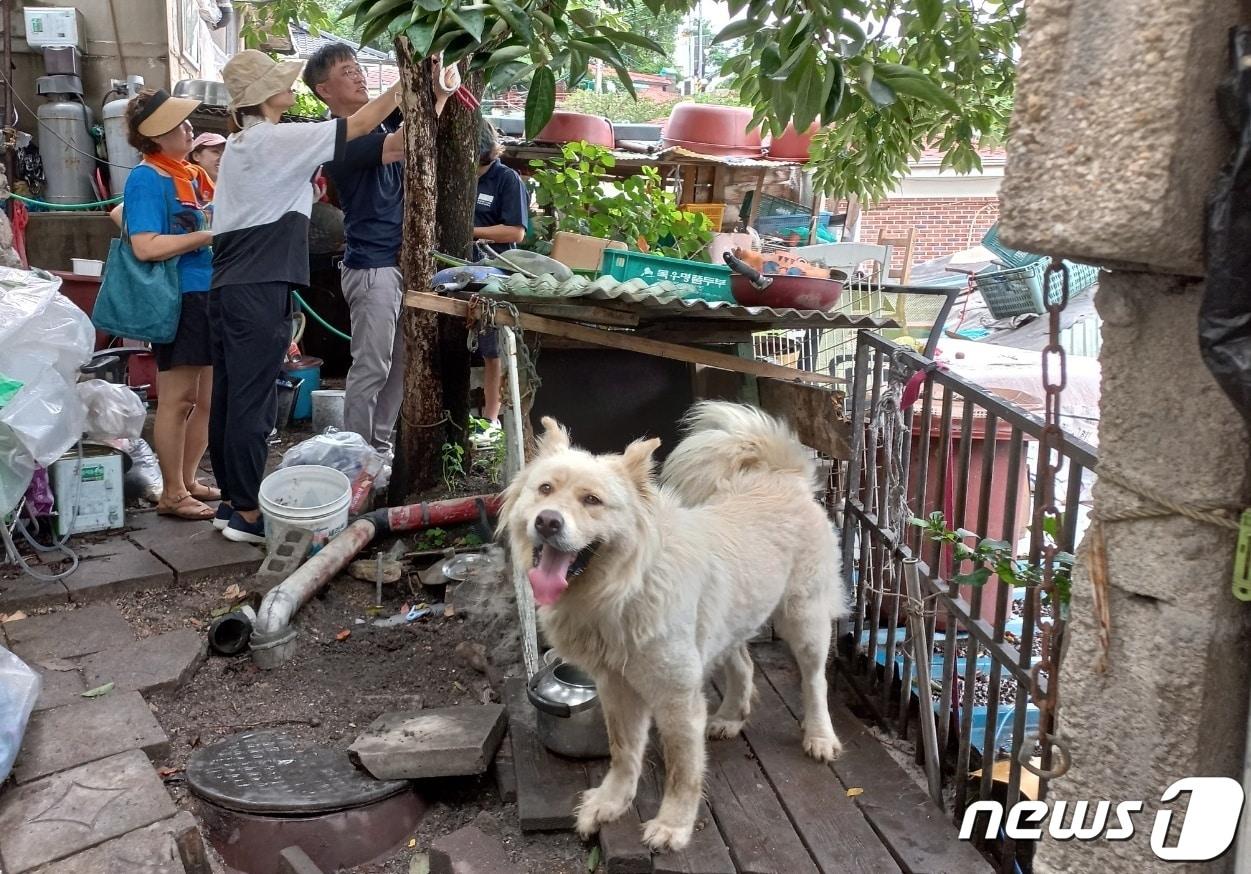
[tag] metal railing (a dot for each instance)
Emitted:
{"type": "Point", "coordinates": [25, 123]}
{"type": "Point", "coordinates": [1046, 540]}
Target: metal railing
{"type": "Point", "coordinates": [972, 456]}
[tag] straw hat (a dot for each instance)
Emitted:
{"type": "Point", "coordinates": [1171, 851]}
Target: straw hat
{"type": "Point", "coordinates": [162, 113]}
{"type": "Point", "coordinates": [253, 77]}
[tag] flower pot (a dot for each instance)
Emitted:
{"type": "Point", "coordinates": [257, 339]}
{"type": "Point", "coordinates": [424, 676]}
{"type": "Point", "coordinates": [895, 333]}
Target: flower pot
{"type": "Point", "coordinates": [791, 145]}
{"type": "Point", "coordinates": [574, 127]}
{"type": "Point", "coordinates": [707, 129]}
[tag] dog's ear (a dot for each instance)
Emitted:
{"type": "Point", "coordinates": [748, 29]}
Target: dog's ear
{"type": "Point", "coordinates": [637, 460]}
{"type": "Point", "coordinates": [554, 437]}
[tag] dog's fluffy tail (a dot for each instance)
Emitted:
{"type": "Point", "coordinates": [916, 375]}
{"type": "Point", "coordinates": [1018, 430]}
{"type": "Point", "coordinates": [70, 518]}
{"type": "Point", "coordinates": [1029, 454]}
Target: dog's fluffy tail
{"type": "Point", "coordinates": [725, 440]}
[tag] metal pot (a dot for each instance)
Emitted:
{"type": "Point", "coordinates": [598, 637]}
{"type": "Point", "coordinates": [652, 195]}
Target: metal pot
{"type": "Point", "coordinates": [206, 91]}
{"type": "Point", "coordinates": [570, 718]}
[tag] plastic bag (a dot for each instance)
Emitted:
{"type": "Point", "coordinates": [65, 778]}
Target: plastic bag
{"type": "Point", "coordinates": [1224, 326]}
{"type": "Point", "coordinates": [114, 412]}
{"type": "Point", "coordinates": [19, 687]}
{"type": "Point", "coordinates": [345, 451]}
{"type": "Point", "coordinates": [143, 480]}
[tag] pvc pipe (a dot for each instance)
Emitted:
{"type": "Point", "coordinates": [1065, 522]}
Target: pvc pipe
{"type": "Point", "coordinates": [516, 428]}
{"type": "Point", "coordinates": [273, 638]}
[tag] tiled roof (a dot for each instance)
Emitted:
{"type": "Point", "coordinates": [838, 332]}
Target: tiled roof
{"type": "Point", "coordinates": [305, 44]}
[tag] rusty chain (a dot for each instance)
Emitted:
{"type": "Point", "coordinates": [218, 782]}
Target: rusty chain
{"type": "Point", "coordinates": [1055, 759]}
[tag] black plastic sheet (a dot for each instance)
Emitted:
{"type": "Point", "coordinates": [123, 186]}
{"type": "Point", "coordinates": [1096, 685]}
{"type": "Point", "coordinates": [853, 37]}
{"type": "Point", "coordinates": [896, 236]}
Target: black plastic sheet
{"type": "Point", "coordinates": [1225, 314]}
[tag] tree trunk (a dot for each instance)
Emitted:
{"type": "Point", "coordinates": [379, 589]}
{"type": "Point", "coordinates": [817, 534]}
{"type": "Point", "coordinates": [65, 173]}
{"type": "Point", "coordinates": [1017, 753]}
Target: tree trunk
{"type": "Point", "coordinates": [456, 162]}
{"type": "Point", "coordinates": [417, 462]}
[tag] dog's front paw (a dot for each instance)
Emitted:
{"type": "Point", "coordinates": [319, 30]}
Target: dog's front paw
{"type": "Point", "coordinates": [598, 807]}
{"type": "Point", "coordinates": [661, 836]}
{"type": "Point", "coordinates": [823, 748]}
{"type": "Point", "coordinates": [723, 729]}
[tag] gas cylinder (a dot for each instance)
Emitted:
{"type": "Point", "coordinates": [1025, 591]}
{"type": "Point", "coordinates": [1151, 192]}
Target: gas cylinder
{"type": "Point", "coordinates": [67, 148]}
{"type": "Point", "coordinates": [123, 157]}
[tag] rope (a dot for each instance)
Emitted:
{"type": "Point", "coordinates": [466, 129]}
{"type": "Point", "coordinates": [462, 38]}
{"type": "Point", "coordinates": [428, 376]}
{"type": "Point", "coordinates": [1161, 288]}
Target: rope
{"type": "Point", "coordinates": [1160, 505]}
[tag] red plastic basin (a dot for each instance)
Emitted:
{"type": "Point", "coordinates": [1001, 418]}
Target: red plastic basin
{"type": "Point", "coordinates": [709, 129]}
{"type": "Point", "coordinates": [574, 127]}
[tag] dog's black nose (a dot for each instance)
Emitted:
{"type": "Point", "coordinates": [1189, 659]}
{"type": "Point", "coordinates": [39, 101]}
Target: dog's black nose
{"type": "Point", "coordinates": [549, 523]}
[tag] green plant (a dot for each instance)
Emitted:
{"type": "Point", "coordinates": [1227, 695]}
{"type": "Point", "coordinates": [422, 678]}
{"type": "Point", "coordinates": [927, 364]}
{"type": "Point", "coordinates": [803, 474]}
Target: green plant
{"type": "Point", "coordinates": [432, 538]}
{"type": "Point", "coordinates": [453, 458]}
{"type": "Point", "coordinates": [995, 557]}
{"type": "Point", "coordinates": [573, 188]}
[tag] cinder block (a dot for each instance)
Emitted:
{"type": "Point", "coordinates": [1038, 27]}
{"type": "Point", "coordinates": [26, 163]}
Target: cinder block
{"type": "Point", "coordinates": [469, 851]}
{"type": "Point", "coordinates": [1116, 139]}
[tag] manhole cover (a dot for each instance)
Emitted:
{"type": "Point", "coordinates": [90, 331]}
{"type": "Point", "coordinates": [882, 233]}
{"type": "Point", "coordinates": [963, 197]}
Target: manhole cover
{"type": "Point", "coordinates": [266, 772]}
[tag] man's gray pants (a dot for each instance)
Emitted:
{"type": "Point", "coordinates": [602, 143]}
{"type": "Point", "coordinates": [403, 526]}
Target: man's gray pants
{"type": "Point", "coordinates": [375, 382]}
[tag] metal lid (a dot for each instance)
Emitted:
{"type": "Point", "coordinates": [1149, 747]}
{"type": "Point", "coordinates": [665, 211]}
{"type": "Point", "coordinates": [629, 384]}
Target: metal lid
{"type": "Point", "coordinates": [564, 687]}
{"type": "Point", "coordinates": [265, 772]}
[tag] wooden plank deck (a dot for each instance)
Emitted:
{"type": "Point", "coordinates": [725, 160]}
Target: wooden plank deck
{"type": "Point", "coordinates": [768, 808]}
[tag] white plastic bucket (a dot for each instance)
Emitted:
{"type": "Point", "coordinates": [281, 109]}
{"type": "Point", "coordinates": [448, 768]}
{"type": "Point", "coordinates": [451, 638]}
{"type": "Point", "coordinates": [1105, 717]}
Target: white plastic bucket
{"type": "Point", "coordinates": [327, 409]}
{"type": "Point", "coordinates": [307, 496]}
{"type": "Point", "coordinates": [87, 266]}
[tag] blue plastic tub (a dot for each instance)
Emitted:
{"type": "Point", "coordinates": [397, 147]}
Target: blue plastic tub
{"type": "Point", "coordinates": [307, 369]}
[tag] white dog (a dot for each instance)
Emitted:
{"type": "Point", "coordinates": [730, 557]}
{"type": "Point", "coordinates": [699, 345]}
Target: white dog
{"type": "Point", "coordinates": [649, 588]}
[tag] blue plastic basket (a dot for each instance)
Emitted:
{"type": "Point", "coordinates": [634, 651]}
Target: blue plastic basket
{"type": "Point", "coordinates": [1018, 291]}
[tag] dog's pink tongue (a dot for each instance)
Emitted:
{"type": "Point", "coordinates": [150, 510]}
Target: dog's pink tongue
{"type": "Point", "coordinates": [550, 578]}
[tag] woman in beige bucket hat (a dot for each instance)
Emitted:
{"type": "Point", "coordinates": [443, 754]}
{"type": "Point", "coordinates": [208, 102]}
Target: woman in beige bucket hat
{"type": "Point", "coordinates": [260, 252]}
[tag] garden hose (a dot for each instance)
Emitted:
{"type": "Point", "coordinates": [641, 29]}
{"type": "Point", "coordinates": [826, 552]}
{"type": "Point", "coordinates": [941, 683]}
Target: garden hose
{"type": "Point", "coordinates": [66, 207]}
{"type": "Point", "coordinates": [317, 317]}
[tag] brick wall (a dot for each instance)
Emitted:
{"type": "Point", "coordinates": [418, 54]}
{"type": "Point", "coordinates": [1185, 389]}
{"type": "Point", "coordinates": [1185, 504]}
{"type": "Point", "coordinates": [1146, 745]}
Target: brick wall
{"type": "Point", "coordinates": [943, 224]}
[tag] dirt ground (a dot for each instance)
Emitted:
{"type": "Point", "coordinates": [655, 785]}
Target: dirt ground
{"type": "Point", "coordinates": [335, 687]}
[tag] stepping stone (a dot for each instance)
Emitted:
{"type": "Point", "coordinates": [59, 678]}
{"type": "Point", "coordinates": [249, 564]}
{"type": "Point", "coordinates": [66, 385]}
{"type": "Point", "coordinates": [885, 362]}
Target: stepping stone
{"type": "Point", "coordinates": [64, 738]}
{"type": "Point", "coordinates": [67, 813]}
{"type": "Point", "coordinates": [469, 851]}
{"type": "Point", "coordinates": [25, 593]}
{"type": "Point", "coordinates": [156, 849]}
{"type": "Point", "coordinates": [68, 634]}
{"type": "Point", "coordinates": [196, 550]}
{"type": "Point", "coordinates": [156, 664]}
{"type": "Point", "coordinates": [115, 568]}
{"type": "Point", "coordinates": [59, 688]}
{"type": "Point", "coordinates": [442, 742]}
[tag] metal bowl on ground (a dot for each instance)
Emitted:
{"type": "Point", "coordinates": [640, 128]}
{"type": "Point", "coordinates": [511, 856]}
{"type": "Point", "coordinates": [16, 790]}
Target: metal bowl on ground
{"type": "Point", "coordinates": [570, 716]}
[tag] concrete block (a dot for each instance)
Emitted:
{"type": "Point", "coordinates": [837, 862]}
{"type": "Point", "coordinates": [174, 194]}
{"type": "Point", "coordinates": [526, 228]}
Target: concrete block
{"type": "Point", "coordinates": [293, 860]}
{"type": "Point", "coordinates": [469, 851]}
{"type": "Point", "coordinates": [155, 849]}
{"type": "Point", "coordinates": [66, 813]}
{"type": "Point", "coordinates": [288, 556]}
{"type": "Point", "coordinates": [116, 568]}
{"type": "Point", "coordinates": [442, 742]}
{"type": "Point", "coordinates": [198, 551]}
{"type": "Point", "coordinates": [59, 688]}
{"type": "Point", "coordinates": [64, 738]}
{"type": "Point", "coordinates": [156, 664]}
{"type": "Point", "coordinates": [1116, 140]}
{"type": "Point", "coordinates": [68, 634]}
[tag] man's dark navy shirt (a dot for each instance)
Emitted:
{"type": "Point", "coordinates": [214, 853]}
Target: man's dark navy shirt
{"type": "Point", "coordinates": [502, 200]}
{"type": "Point", "coordinates": [371, 195]}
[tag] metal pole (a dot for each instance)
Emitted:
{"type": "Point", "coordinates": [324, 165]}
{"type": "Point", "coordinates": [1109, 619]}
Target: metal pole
{"type": "Point", "coordinates": [9, 157]}
{"type": "Point", "coordinates": [921, 657]}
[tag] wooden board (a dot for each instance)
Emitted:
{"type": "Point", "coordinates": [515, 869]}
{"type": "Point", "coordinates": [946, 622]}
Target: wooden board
{"type": "Point", "coordinates": [706, 853]}
{"type": "Point", "coordinates": [547, 785]}
{"type": "Point", "coordinates": [621, 842]}
{"type": "Point", "coordinates": [618, 340]}
{"type": "Point", "coordinates": [760, 838]}
{"type": "Point", "coordinates": [920, 835]}
{"type": "Point", "coordinates": [831, 825]}
{"type": "Point", "coordinates": [816, 414]}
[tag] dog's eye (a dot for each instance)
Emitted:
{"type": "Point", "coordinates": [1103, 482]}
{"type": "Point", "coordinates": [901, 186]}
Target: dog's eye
{"type": "Point", "coordinates": [592, 501]}
{"type": "Point", "coordinates": [545, 489]}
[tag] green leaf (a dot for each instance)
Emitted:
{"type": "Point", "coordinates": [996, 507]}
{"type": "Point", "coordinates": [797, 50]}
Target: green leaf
{"type": "Point", "coordinates": [995, 545]}
{"type": "Point", "coordinates": [472, 20]}
{"type": "Point", "coordinates": [583, 17]}
{"type": "Point", "coordinates": [976, 578]}
{"type": "Point", "coordinates": [1051, 526]}
{"type": "Point", "coordinates": [592, 860]}
{"type": "Point", "coordinates": [421, 36]}
{"type": "Point", "coordinates": [878, 92]}
{"type": "Point", "coordinates": [792, 63]}
{"type": "Point", "coordinates": [507, 55]}
{"type": "Point", "coordinates": [540, 102]}
{"type": "Point", "coordinates": [98, 691]}
{"type": "Point", "coordinates": [517, 19]}
{"type": "Point", "coordinates": [385, 9]}
{"type": "Point", "coordinates": [834, 72]}
{"type": "Point", "coordinates": [965, 533]}
{"type": "Point", "coordinates": [906, 80]}
{"type": "Point", "coordinates": [460, 46]}
{"type": "Point", "coordinates": [633, 39]}
{"type": "Point", "coordinates": [920, 523]}
{"type": "Point", "coordinates": [929, 11]}
{"type": "Point", "coordinates": [736, 30]}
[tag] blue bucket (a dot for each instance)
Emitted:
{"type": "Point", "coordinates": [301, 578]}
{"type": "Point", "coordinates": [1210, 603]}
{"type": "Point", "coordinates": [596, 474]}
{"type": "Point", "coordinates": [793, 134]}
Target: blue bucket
{"type": "Point", "coordinates": [308, 370]}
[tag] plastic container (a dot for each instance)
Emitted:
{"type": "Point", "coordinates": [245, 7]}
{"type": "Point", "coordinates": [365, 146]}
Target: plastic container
{"type": "Point", "coordinates": [714, 211]}
{"type": "Point", "coordinates": [570, 127]}
{"type": "Point", "coordinates": [327, 409]}
{"type": "Point", "coordinates": [1019, 290]}
{"type": "Point", "coordinates": [307, 497]}
{"type": "Point", "coordinates": [707, 281]}
{"type": "Point", "coordinates": [781, 225]}
{"type": "Point", "coordinates": [87, 266]}
{"type": "Point", "coordinates": [708, 129]}
{"type": "Point", "coordinates": [791, 145]}
{"type": "Point", "coordinates": [307, 369]}
{"type": "Point", "coordinates": [96, 502]}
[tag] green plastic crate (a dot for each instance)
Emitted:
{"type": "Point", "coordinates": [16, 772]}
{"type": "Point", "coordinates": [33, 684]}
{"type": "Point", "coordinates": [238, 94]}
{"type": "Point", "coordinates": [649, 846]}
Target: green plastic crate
{"type": "Point", "coordinates": [709, 282]}
{"type": "Point", "coordinates": [1019, 290]}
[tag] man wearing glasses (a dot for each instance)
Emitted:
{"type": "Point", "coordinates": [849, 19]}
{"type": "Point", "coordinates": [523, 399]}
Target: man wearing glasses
{"type": "Point", "coordinates": [370, 182]}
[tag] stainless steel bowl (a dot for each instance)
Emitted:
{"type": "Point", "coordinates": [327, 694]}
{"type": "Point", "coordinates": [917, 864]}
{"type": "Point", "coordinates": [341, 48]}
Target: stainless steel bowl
{"type": "Point", "coordinates": [207, 92]}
